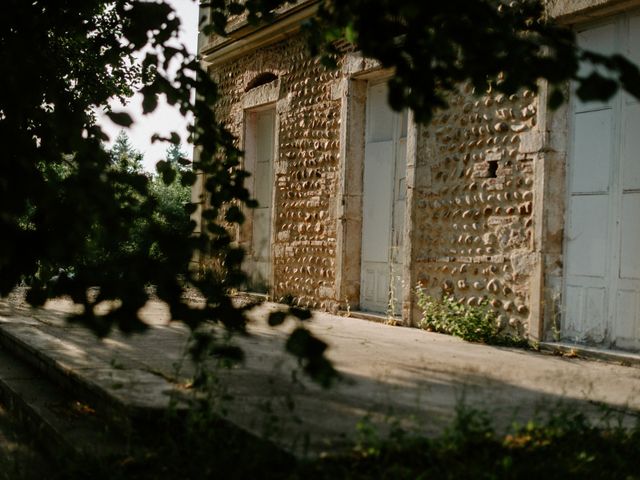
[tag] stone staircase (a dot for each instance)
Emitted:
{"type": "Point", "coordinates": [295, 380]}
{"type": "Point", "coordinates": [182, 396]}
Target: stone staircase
{"type": "Point", "coordinates": [71, 390]}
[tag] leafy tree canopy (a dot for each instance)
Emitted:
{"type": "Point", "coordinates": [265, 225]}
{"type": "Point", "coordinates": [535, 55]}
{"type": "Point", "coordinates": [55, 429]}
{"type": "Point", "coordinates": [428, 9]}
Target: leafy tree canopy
{"type": "Point", "coordinates": [435, 46]}
{"type": "Point", "coordinates": [63, 60]}
{"type": "Point", "coordinates": [123, 156]}
{"type": "Point", "coordinates": [173, 198]}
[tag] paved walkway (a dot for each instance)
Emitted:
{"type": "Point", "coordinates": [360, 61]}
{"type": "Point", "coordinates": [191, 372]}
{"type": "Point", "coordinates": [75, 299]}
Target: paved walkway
{"type": "Point", "coordinates": [391, 375]}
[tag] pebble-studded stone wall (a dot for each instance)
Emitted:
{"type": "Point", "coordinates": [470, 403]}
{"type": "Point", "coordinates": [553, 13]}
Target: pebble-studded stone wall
{"type": "Point", "coordinates": [306, 170]}
{"type": "Point", "coordinates": [473, 237]}
{"type": "Point", "coordinates": [473, 229]}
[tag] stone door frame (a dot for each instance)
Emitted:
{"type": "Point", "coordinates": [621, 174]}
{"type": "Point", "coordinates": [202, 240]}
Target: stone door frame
{"type": "Point", "coordinates": [264, 97]}
{"type": "Point", "coordinates": [352, 91]}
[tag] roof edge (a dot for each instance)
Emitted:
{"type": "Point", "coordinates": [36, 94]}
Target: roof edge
{"type": "Point", "coordinates": [246, 37]}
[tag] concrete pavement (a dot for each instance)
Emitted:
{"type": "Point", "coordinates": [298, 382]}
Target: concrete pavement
{"type": "Point", "coordinates": [390, 375]}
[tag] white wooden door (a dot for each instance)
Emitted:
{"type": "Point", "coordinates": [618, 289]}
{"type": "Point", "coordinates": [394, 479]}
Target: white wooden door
{"type": "Point", "coordinates": [384, 192]}
{"type": "Point", "coordinates": [261, 134]}
{"type": "Point", "coordinates": [602, 245]}
{"type": "Point", "coordinates": [626, 327]}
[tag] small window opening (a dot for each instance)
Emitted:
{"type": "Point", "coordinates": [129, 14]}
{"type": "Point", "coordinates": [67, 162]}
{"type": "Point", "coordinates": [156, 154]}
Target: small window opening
{"type": "Point", "coordinates": [493, 168]}
{"type": "Point", "coordinates": [261, 79]}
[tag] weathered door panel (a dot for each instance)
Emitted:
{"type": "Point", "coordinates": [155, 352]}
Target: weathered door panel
{"type": "Point", "coordinates": [590, 211]}
{"type": "Point", "coordinates": [602, 247]}
{"type": "Point", "coordinates": [397, 230]}
{"type": "Point", "coordinates": [376, 224]}
{"type": "Point", "coordinates": [586, 280]}
{"type": "Point", "coordinates": [262, 129]}
{"type": "Point", "coordinates": [626, 327]}
{"type": "Point", "coordinates": [384, 192]}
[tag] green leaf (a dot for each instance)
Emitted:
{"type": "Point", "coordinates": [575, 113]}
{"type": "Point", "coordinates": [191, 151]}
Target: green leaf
{"type": "Point", "coordinates": [236, 8]}
{"type": "Point", "coordinates": [596, 87]}
{"type": "Point", "coordinates": [303, 344]}
{"type": "Point", "coordinates": [556, 98]}
{"type": "Point", "coordinates": [350, 34]}
{"type": "Point", "coordinates": [120, 118]}
{"type": "Point", "coordinates": [300, 313]}
{"type": "Point", "coordinates": [188, 178]}
{"type": "Point", "coordinates": [36, 296]}
{"type": "Point", "coordinates": [277, 318]}
{"type": "Point", "coordinates": [162, 165]}
{"type": "Point", "coordinates": [234, 215]}
{"type": "Point", "coordinates": [168, 176]}
{"type": "Point", "coordinates": [149, 102]}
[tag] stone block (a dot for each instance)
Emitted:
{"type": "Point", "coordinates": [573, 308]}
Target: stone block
{"type": "Point", "coordinates": [533, 142]}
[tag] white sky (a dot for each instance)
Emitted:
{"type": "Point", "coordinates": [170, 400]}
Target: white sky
{"type": "Point", "coordinates": [165, 118]}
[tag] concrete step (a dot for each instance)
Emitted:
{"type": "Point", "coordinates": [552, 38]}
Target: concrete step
{"type": "Point", "coordinates": [103, 399]}
{"type": "Point", "coordinates": [106, 398]}
{"type": "Point", "coordinates": [60, 422]}
{"type": "Point", "coordinates": [577, 350]}
{"type": "Point", "coordinates": [124, 398]}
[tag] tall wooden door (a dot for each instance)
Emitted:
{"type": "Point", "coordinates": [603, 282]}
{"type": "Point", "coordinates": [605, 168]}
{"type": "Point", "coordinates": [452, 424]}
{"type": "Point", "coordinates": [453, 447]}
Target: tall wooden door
{"type": "Point", "coordinates": [384, 192]}
{"type": "Point", "coordinates": [260, 148]}
{"type": "Point", "coordinates": [602, 245]}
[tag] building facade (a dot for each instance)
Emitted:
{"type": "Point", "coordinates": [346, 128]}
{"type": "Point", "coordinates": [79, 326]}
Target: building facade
{"type": "Point", "coordinates": [498, 199]}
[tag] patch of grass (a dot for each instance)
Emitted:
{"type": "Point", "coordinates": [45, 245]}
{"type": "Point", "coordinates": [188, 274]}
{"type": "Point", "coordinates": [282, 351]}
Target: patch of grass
{"type": "Point", "coordinates": [469, 322]}
{"type": "Point", "coordinates": [567, 445]}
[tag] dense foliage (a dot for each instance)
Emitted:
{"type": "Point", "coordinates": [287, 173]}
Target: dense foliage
{"type": "Point", "coordinates": [450, 316]}
{"type": "Point", "coordinates": [473, 323]}
{"type": "Point", "coordinates": [170, 200]}
{"type": "Point", "coordinates": [435, 46]}
{"type": "Point", "coordinates": [564, 445]}
{"type": "Point", "coordinates": [72, 223]}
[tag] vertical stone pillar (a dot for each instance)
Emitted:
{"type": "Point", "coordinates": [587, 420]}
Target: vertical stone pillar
{"type": "Point", "coordinates": [419, 156]}
{"type": "Point", "coordinates": [549, 142]}
{"type": "Point", "coordinates": [349, 202]}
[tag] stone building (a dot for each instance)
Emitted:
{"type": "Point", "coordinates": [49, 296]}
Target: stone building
{"type": "Point", "coordinates": [499, 198]}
